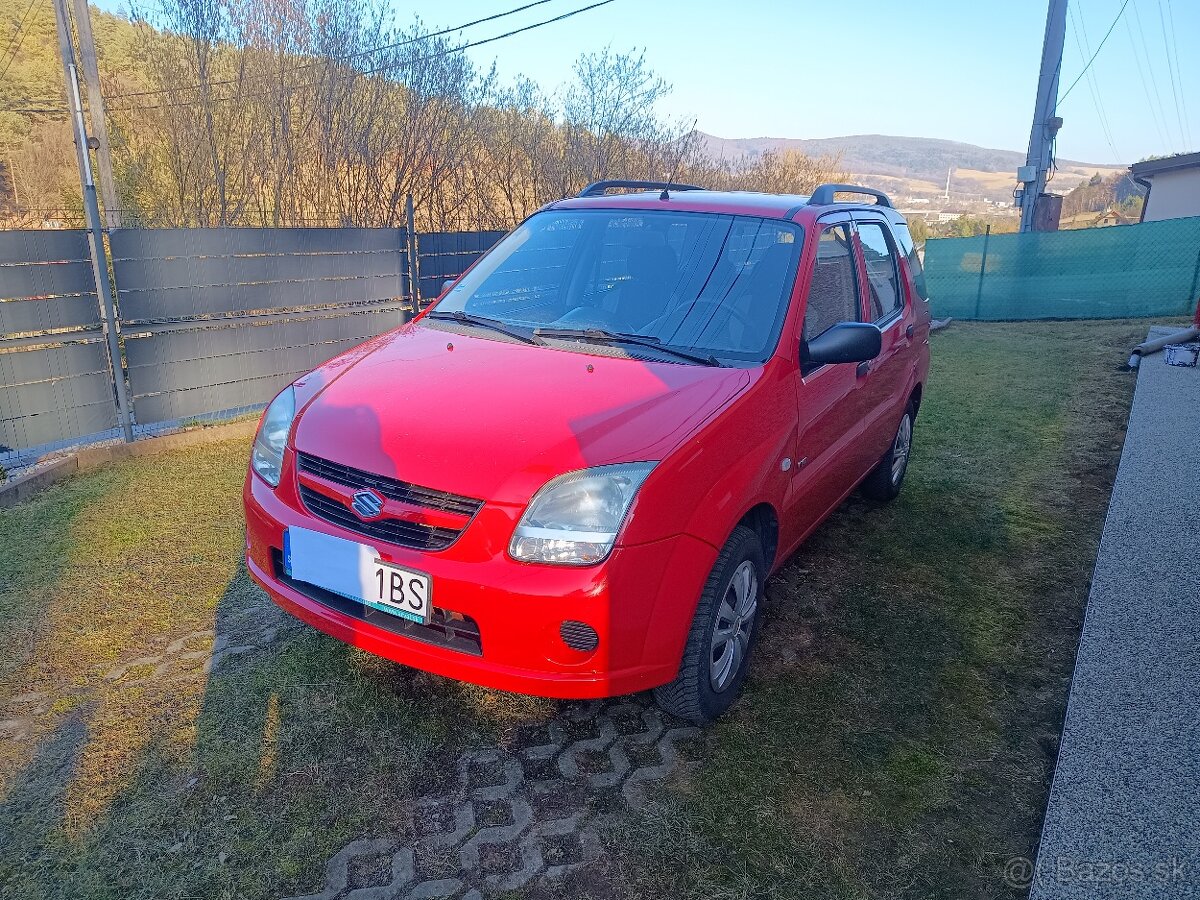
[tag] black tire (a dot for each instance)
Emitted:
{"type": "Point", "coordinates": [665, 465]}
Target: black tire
{"type": "Point", "coordinates": [885, 481]}
{"type": "Point", "coordinates": [692, 695]}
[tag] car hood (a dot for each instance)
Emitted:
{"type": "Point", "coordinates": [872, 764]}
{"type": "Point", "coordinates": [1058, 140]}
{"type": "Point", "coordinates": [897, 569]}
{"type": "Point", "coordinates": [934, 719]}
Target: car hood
{"type": "Point", "coordinates": [496, 420]}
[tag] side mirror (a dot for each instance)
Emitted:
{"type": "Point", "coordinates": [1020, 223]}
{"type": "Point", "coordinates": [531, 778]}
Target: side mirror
{"type": "Point", "coordinates": [845, 342]}
{"type": "Point", "coordinates": [447, 283]}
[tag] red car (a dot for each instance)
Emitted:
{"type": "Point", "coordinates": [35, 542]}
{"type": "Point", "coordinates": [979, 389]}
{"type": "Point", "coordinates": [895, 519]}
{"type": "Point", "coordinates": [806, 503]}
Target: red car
{"type": "Point", "coordinates": [573, 474]}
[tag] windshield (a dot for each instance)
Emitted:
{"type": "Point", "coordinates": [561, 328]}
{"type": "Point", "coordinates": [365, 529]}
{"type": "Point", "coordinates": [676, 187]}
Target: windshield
{"type": "Point", "coordinates": [717, 285]}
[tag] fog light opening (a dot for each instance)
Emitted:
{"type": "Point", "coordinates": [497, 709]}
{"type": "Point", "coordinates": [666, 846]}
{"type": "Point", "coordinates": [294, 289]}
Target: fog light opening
{"type": "Point", "coordinates": [579, 636]}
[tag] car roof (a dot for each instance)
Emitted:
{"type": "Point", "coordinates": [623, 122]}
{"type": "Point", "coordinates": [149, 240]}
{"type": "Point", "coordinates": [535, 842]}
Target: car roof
{"type": "Point", "coordinates": [748, 203]}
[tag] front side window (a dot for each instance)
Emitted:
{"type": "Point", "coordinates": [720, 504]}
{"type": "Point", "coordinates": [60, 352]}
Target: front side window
{"type": "Point", "coordinates": [717, 285]}
{"type": "Point", "coordinates": [880, 257]}
{"type": "Point", "coordinates": [833, 294]}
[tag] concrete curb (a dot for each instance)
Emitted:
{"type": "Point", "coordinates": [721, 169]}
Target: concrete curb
{"type": "Point", "coordinates": [85, 460]}
{"type": "Point", "coordinates": [1122, 815]}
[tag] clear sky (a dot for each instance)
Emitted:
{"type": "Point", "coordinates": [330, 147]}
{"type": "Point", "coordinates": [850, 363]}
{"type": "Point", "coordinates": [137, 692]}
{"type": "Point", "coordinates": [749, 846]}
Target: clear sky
{"type": "Point", "coordinates": [956, 69]}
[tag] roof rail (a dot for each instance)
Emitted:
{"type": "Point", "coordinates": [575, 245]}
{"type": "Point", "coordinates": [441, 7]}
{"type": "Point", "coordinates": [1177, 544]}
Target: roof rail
{"type": "Point", "coordinates": [600, 188]}
{"type": "Point", "coordinates": [823, 195]}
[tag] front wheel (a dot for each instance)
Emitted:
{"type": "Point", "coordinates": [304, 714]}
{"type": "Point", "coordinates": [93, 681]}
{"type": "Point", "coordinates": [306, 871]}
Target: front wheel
{"type": "Point", "coordinates": [887, 477]}
{"type": "Point", "coordinates": [722, 635]}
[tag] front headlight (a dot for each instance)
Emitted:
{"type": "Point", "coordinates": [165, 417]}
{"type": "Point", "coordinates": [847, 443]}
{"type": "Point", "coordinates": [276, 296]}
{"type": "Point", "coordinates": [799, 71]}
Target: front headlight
{"type": "Point", "coordinates": [267, 456]}
{"type": "Point", "coordinates": [574, 519]}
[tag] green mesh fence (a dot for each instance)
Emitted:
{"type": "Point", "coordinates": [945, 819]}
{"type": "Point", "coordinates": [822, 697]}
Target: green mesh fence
{"type": "Point", "coordinates": [1151, 269]}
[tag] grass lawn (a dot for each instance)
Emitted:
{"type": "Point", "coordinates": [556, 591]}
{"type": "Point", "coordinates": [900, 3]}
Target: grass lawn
{"type": "Point", "coordinates": [896, 740]}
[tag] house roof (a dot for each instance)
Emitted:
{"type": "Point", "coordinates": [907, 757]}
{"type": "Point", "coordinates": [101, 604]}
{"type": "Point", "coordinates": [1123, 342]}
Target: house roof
{"type": "Point", "coordinates": [1167, 163]}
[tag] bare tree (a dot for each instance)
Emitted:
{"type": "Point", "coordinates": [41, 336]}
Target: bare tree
{"type": "Point", "coordinates": [289, 112]}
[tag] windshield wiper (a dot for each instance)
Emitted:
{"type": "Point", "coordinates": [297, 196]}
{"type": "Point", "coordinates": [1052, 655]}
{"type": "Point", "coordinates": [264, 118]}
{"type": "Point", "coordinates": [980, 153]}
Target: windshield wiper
{"type": "Point", "coordinates": [603, 336]}
{"type": "Point", "coordinates": [466, 318]}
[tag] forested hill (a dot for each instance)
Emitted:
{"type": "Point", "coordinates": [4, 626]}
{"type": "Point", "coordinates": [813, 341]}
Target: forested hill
{"type": "Point", "coordinates": [34, 135]}
{"type": "Point", "coordinates": [31, 79]}
{"type": "Point", "coordinates": [880, 154]}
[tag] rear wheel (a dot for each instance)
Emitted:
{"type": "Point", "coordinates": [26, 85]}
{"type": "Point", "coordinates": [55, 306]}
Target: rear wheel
{"type": "Point", "coordinates": [887, 477]}
{"type": "Point", "coordinates": [722, 635]}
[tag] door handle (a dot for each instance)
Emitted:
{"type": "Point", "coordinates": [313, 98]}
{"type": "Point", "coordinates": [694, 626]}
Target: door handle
{"type": "Point", "coordinates": [863, 369]}
{"type": "Point", "coordinates": [908, 332]}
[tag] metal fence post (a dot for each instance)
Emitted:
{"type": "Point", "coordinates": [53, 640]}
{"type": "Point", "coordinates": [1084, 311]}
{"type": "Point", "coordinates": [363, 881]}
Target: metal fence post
{"type": "Point", "coordinates": [410, 239]}
{"type": "Point", "coordinates": [987, 235]}
{"type": "Point", "coordinates": [91, 210]}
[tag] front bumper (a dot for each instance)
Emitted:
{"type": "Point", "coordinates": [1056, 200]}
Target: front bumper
{"type": "Point", "coordinates": [640, 603]}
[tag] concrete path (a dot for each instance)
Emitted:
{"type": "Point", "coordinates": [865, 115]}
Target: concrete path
{"type": "Point", "coordinates": [1124, 813]}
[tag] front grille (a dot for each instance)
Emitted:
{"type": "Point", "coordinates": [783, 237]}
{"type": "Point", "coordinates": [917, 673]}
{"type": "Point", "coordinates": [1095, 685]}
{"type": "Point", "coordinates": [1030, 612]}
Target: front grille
{"type": "Point", "coordinates": [445, 629]}
{"type": "Point", "coordinates": [393, 489]}
{"type": "Point", "coordinates": [392, 531]}
{"type": "Point", "coordinates": [401, 532]}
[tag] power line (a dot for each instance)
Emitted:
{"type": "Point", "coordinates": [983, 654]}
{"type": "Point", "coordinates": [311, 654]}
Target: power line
{"type": "Point", "coordinates": [1093, 88]}
{"type": "Point", "coordinates": [377, 69]}
{"type": "Point", "coordinates": [1099, 46]}
{"type": "Point", "coordinates": [1187, 126]}
{"type": "Point", "coordinates": [1171, 72]}
{"type": "Point", "coordinates": [1162, 108]}
{"type": "Point", "coordinates": [1155, 114]}
{"type": "Point", "coordinates": [18, 39]}
{"type": "Point", "coordinates": [340, 58]}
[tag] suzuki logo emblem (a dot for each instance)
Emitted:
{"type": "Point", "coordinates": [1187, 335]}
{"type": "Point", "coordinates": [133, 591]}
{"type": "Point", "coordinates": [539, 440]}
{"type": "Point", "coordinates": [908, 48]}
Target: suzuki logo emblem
{"type": "Point", "coordinates": [367, 504]}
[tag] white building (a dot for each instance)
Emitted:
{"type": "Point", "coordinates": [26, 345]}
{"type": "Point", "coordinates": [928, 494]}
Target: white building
{"type": "Point", "coordinates": [1172, 184]}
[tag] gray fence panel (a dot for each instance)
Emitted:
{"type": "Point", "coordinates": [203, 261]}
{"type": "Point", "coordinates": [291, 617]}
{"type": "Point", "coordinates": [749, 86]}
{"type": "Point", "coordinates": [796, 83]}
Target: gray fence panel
{"type": "Point", "coordinates": [156, 243]}
{"type": "Point", "coordinates": [46, 279]}
{"type": "Point", "coordinates": [32, 315]}
{"type": "Point", "coordinates": [183, 373]}
{"type": "Point", "coordinates": [444, 255]}
{"type": "Point", "coordinates": [197, 308]}
{"type": "Point", "coordinates": [180, 273]}
{"type": "Point", "coordinates": [56, 387]}
{"type": "Point", "coordinates": [191, 302]}
{"type": "Point", "coordinates": [215, 319]}
{"type": "Point", "coordinates": [46, 282]}
{"type": "Point", "coordinates": [45, 246]}
{"type": "Point", "coordinates": [206, 271]}
{"type": "Point", "coordinates": [54, 393]}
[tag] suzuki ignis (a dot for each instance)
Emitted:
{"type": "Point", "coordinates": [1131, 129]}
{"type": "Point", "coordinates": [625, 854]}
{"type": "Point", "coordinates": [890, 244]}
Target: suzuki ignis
{"type": "Point", "coordinates": [572, 475]}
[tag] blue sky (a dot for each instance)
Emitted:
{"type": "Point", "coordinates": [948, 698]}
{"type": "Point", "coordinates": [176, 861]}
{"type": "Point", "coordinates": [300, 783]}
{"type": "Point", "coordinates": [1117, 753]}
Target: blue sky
{"type": "Point", "coordinates": [961, 70]}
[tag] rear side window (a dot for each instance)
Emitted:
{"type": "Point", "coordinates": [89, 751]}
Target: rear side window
{"type": "Point", "coordinates": [882, 271]}
{"type": "Point", "coordinates": [833, 294]}
{"type": "Point", "coordinates": [912, 257]}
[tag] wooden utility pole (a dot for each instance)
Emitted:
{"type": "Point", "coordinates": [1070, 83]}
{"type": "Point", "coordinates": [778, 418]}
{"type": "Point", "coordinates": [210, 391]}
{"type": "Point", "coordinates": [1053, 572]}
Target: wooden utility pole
{"type": "Point", "coordinates": [91, 210]}
{"type": "Point", "coordinates": [91, 77]}
{"type": "Point", "coordinates": [1046, 123]}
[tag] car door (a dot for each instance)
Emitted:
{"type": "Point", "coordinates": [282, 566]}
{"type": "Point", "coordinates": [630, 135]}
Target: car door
{"type": "Point", "coordinates": [826, 396]}
{"type": "Point", "coordinates": [883, 380]}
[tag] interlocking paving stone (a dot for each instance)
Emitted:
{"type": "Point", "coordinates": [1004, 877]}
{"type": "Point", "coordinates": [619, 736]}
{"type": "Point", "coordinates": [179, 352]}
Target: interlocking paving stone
{"type": "Point", "coordinates": [511, 816]}
{"type": "Point", "coordinates": [551, 808]}
{"type": "Point", "coordinates": [1123, 819]}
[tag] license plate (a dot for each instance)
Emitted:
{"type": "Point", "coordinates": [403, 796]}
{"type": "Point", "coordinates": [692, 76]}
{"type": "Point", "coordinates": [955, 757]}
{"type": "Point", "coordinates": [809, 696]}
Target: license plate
{"type": "Point", "coordinates": [357, 572]}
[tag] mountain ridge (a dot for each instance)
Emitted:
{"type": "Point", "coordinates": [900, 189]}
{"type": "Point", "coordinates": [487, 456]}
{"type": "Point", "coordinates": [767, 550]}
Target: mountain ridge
{"type": "Point", "coordinates": [915, 164]}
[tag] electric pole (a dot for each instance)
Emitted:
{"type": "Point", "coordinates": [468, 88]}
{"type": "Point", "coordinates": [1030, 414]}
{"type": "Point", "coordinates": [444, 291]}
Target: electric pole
{"type": "Point", "coordinates": [1046, 123]}
{"type": "Point", "coordinates": [91, 76]}
{"type": "Point", "coordinates": [91, 210]}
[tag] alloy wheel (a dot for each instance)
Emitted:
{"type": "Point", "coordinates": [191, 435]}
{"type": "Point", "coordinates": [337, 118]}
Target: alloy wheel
{"type": "Point", "coordinates": [734, 626]}
{"type": "Point", "coordinates": [901, 448]}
